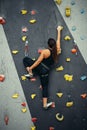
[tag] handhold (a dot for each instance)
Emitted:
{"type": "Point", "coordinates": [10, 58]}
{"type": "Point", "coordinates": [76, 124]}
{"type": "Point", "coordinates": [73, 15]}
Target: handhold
{"type": "Point", "coordinates": [59, 94]}
{"type": "Point", "coordinates": [24, 11]}
{"type": "Point", "coordinates": [69, 104]}
{"type": "Point", "coordinates": [73, 28]}
{"type": "Point", "coordinates": [33, 79]}
{"type": "Point", "coordinates": [51, 128]}
{"type": "Point", "coordinates": [23, 104]}
{"type": "Point", "coordinates": [68, 77]}
{"type": "Point", "coordinates": [15, 51]}
{"type": "Point", "coordinates": [72, 2]}
{"type": "Point", "coordinates": [67, 37]}
{"type": "Point", "coordinates": [58, 2]}
{"type": "Point", "coordinates": [24, 38]}
{"type": "Point", "coordinates": [84, 95]}
{"type": "Point", "coordinates": [33, 96]}
{"type": "Point", "coordinates": [83, 77]}
{"type": "Point", "coordinates": [60, 68]}
{"type": "Point", "coordinates": [2, 77]}
{"type": "Point", "coordinates": [67, 11]}
{"type": "Point", "coordinates": [59, 117]}
{"type": "Point", "coordinates": [68, 59]}
{"type": "Point", "coordinates": [6, 119]}
{"type": "Point", "coordinates": [74, 51]}
{"type": "Point", "coordinates": [23, 77]}
{"type": "Point", "coordinates": [34, 119]}
{"type": "Point", "coordinates": [24, 109]}
{"type": "Point", "coordinates": [24, 29]}
{"type": "Point", "coordinates": [16, 95]}
{"type": "Point", "coordinates": [2, 20]}
{"type": "Point", "coordinates": [32, 21]}
{"type": "Point", "coordinates": [33, 128]}
{"type": "Point", "coordinates": [33, 12]}
{"type": "Point", "coordinates": [82, 11]}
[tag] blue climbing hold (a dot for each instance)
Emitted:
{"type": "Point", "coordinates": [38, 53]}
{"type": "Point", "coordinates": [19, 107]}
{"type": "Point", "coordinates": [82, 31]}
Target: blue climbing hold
{"type": "Point", "coordinates": [82, 11]}
{"type": "Point", "coordinates": [73, 28]}
{"type": "Point", "coordinates": [72, 2]}
{"type": "Point", "coordinates": [83, 77]}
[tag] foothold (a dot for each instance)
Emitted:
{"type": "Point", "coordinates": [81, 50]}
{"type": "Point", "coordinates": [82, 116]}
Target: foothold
{"type": "Point", "coordinates": [84, 95]}
{"type": "Point", "coordinates": [33, 128]}
{"type": "Point", "coordinates": [67, 11]}
{"type": "Point", "coordinates": [24, 109]}
{"type": "Point", "coordinates": [6, 119]}
{"type": "Point", "coordinates": [24, 38]}
{"type": "Point", "coordinates": [68, 77]}
{"type": "Point", "coordinates": [51, 128]}
{"type": "Point", "coordinates": [73, 28]}
{"type": "Point", "coordinates": [32, 21]}
{"type": "Point", "coordinates": [58, 2]}
{"type": "Point", "coordinates": [15, 51]}
{"type": "Point", "coordinates": [74, 51]}
{"type": "Point", "coordinates": [15, 95]}
{"type": "Point", "coordinates": [59, 68]}
{"type": "Point", "coordinates": [68, 59]}
{"type": "Point", "coordinates": [67, 38]}
{"type": "Point", "coordinates": [69, 104]}
{"type": "Point", "coordinates": [83, 77]}
{"type": "Point", "coordinates": [23, 104]}
{"type": "Point", "coordinates": [2, 20]}
{"type": "Point", "coordinates": [2, 77]}
{"type": "Point", "coordinates": [23, 77]}
{"type": "Point", "coordinates": [24, 11]}
{"type": "Point", "coordinates": [33, 96]}
{"type": "Point", "coordinates": [59, 94]}
{"type": "Point", "coordinates": [59, 117]}
{"type": "Point", "coordinates": [34, 119]}
{"type": "Point", "coordinates": [24, 29]}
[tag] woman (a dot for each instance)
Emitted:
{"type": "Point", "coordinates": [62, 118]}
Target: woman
{"type": "Point", "coordinates": [43, 64]}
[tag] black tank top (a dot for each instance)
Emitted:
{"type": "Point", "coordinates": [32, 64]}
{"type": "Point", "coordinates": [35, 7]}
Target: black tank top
{"type": "Point", "coordinates": [48, 61]}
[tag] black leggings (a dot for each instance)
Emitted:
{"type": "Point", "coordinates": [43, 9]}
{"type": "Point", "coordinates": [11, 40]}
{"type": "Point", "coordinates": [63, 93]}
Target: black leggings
{"type": "Point", "coordinates": [42, 72]}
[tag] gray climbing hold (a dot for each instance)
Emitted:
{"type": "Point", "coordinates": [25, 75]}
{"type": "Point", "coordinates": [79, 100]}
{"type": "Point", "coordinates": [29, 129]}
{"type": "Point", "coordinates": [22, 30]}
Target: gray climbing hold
{"type": "Point", "coordinates": [73, 28]}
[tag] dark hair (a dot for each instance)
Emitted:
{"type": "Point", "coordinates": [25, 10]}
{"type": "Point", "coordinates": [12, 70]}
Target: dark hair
{"type": "Point", "coordinates": [53, 47]}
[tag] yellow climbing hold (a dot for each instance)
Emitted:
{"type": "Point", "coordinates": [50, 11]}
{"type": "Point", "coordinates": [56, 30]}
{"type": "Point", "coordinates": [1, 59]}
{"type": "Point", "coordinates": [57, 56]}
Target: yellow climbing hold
{"type": "Point", "coordinates": [23, 77]}
{"type": "Point", "coordinates": [60, 68]}
{"type": "Point", "coordinates": [67, 37]}
{"type": "Point", "coordinates": [69, 104]}
{"type": "Point", "coordinates": [58, 2]}
{"type": "Point", "coordinates": [24, 110]}
{"type": "Point", "coordinates": [15, 51]}
{"type": "Point", "coordinates": [33, 128]}
{"type": "Point", "coordinates": [59, 94]}
{"type": "Point", "coordinates": [32, 21]}
{"type": "Point", "coordinates": [59, 118]}
{"type": "Point", "coordinates": [68, 59]}
{"type": "Point", "coordinates": [24, 38]}
{"type": "Point", "coordinates": [16, 95]}
{"type": "Point", "coordinates": [24, 11]}
{"type": "Point", "coordinates": [33, 96]}
{"type": "Point", "coordinates": [67, 11]}
{"type": "Point", "coordinates": [68, 77]}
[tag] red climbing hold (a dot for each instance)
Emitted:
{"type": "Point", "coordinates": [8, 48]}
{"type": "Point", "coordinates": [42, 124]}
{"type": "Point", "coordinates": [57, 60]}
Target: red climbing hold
{"type": "Point", "coordinates": [6, 119]}
{"type": "Point", "coordinates": [2, 20]}
{"type": "Point", "coordinates": [2, 77]}
{"type": "Point", "coordinates": [34, 119]}
{"type": "Point", "coordinates": [51, 128]}
{"type": "Point", "coordinates": [23, 104]}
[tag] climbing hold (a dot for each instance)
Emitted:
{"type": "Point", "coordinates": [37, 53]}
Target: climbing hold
{"type": "Point", "coordinates": [6, 119]}
{"type": "Point", "coordinates": [23, 77]}
{"type": "Point", "coordinates": [59, 117]}
{"type": "Point", "coordinates": [24, 38]}
{"type": "Point", "coordinates": [53, 105]}
{"type": "Point", "coordinates": [68, 77]}
{"type": "Point", "coordinates": [74, 51]}
{"type": "Point", "coordinates": [84, 95]}
{"type": "Point", "coordinates": [33, 59]}
{"type": "Point", "coordinates": [69, 104]}
{"type": "Point", "coordinates": [14, 51]}
{"type": "Point", "coordinates": [59, 94]}
{"type": "Point", "coordinates": [59, 68]}
{"type": "Point", "coordinates": [82, 11]}
{"type": "Point", "coordinates": [68, 59]}
{"type": "Point", "coordinates": [2, 77]}
{"type": "Point", "coordinates": [24, 29]}
{"type": "Point", "coordinates": [73, 28]}
{"type": "Point", "coordinates": [67, 11]}
{"type": "Point", "coordinates": [33, 12]}
{"type": "Point", "coordinates": [58, 2]}
{"type": "Point", "coordinates": [51, 128]}
{"type": "Point", "coordinates": [67, 38]}
{"type": "Point", "coordinates": [23, 104]}
{"type": "Point", "coordinates": [72, 2]}
{"type": "Point", "coordinates": [2, 20]}
{"type": "Point", "coordinates": [24, 11]}
{"type": "Point", "coordinates": [24, 109]}
{"type": "Point", "coordinates": [33, 128]}
{"type": "Point", "coordinates": [83, 77]}
{"type": "Point", "coordinates": [39, 51]}
{"type": "Point", "coordinates": [32, 21]}
{"type": "Point", "coordinates": [34, 119]}
{"type": "Point", "coordinates": [15, 95]}
{"type": "Point", "coordinates": [33, 79]}
{"type": "Point", "coordinates": [33, 96]}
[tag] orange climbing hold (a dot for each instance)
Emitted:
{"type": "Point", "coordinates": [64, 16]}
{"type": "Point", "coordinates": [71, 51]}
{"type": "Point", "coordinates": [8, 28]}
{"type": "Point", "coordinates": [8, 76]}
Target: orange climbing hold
{"type": "Point", "coordinates": [74, 51]}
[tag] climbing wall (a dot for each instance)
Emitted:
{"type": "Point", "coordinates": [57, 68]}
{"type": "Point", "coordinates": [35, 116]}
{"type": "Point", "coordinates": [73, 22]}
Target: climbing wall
{"type": "Point", "coordinates": [34, 22]}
